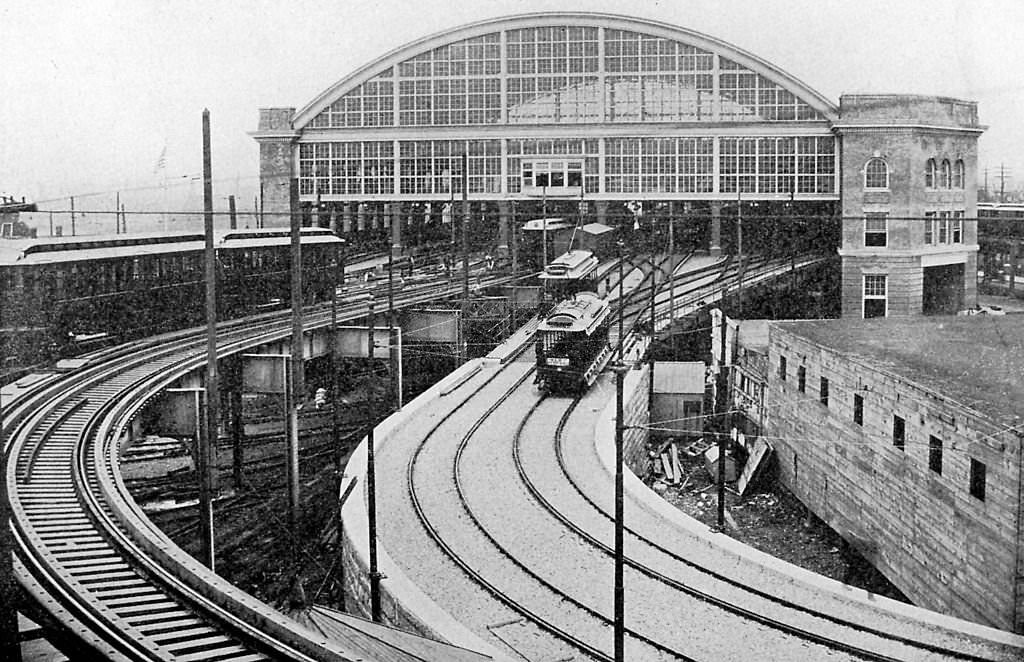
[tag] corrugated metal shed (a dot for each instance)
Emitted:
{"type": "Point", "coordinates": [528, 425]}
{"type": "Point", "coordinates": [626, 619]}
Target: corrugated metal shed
{"type": "Point", "coordinates": [685, 377]}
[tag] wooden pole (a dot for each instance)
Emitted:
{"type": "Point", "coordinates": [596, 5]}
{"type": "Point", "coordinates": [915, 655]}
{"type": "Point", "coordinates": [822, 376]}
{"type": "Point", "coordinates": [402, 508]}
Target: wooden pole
{"type": "Point", "coordinates": [722, 433]}
{"type": "Point", "coordinates": [207, 448]}
{"type": "Point", "coordinates": [72, 216]}
{"type": "Point", "coordinates": [371, 495]}
{"type": "Point", "coordinates": [231, 213]}
{"type": "Point", "coordinates": [117, 213]}
{"type": "Point", "coordinates": [295, 383]}
{"type": "Point", "coordinates": [620, 376]}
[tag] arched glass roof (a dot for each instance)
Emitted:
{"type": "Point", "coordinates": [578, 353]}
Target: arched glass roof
{"type": "Point", "coordinates": [564, 68]}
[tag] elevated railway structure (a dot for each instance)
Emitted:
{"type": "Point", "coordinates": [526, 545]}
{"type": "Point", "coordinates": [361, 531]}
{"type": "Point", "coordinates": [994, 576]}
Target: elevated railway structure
{"type": "Point", "coordinates": [108, 585]}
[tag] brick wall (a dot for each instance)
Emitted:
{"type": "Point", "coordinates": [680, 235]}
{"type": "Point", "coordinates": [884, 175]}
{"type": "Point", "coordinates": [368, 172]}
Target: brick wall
{"type": "Point", "coordinates": [944, 548]}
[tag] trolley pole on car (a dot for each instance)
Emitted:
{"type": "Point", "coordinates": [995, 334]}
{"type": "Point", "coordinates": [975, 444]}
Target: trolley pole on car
{"type": "Point", "coordinates": [294, 385]}
{"type": "Point", "coordinates": [620, 376]}
{"type": "Point", "coordinates": [371, 493]}
{"type": "Point", "coordinates": [207, 446]}
{"type": "Point", "coordinates": [10, 643]}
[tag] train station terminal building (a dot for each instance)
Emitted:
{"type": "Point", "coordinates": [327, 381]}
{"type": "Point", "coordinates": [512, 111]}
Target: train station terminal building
{"type": "Point", "coordinates": [584, 113]}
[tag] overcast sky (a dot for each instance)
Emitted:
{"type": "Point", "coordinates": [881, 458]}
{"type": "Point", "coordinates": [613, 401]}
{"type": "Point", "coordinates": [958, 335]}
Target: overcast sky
{"type": "Point", "coordinates": [92, 92]}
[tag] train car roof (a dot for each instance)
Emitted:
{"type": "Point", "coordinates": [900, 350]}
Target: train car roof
{"type": "Point", "coordinates": [582, 313]}
{"type": "Point", "coordinates": [575, 263]}
{"type": "Point", "coordinates": [597, 228]}
{"type": "Point", "coordinates": [55, 250]}
{"type": "Point", "coordinates": [537, 224]}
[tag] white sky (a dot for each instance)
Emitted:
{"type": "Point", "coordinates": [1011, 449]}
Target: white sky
{"type": "Point", "coordinates": [91, 91]}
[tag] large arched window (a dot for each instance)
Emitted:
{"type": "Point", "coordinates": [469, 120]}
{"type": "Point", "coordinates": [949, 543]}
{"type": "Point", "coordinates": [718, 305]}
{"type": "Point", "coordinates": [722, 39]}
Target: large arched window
{"type": "Point", "coordinates": [946, 174]}
{"type": "Point", "coordinates": [930, 173]}
{"type": "Point", "coordinates": [958, 174]}
{"type": "Point", "coordinates": [876, 174]}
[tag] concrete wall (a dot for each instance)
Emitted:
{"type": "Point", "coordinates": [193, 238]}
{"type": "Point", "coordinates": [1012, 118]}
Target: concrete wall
{"type": "Point", "coordinates": [636, 414]}
{"type": "Point", "coordinates": [944, 548]}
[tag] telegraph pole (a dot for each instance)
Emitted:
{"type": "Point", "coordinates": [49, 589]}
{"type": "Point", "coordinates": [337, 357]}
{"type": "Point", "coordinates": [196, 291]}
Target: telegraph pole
{"type": "Point", "coordinates": [371, 494]}
{"type": "Point", "coordinates": [232, 218]}
{"type": "Point", "coordinates": [723, 433]}
{"type": "Point", "coordinates": [207, 447]}
{"type": "Point", "coordinates": [295, 383]}
{"type": "Point", "coordinates": [620, 377]}
{"type": "Point", "coordinates": [739, 250]}
{"type": "Point", "coordinates": [72, 216]}
{"type": "Point", "coordinates": [117, 213]}
{"type": "Point", "coordinates": [465, 229]}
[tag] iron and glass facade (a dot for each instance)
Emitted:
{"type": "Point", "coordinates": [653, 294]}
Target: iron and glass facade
{"type": "Point", "coordinates": [651, 110]}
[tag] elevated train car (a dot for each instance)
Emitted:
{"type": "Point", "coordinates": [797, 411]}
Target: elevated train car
{"type": "Point", "coordinates": [572, 344]}
{"type": "Point", "coordinates": [570, 273]}
{"type": "Point", "coordinates": [55, 292]}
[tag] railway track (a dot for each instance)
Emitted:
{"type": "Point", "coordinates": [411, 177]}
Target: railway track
{"type": "Point", "coordinates": [97, 572]}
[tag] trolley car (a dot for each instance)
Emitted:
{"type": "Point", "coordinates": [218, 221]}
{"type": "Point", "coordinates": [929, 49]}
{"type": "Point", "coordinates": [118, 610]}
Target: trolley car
{"type": "Point", "coordinates": [572, 344]}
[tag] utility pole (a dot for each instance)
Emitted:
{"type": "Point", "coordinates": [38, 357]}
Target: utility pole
{"type": "Point", "coordinates": [72, 216]}
{"type": "Point", "coordinates": [117, 213]}
{"type": "Point", "coordinates": [233, 220]}
{"type": "Point", "coordinates": [1003, 176]}
{"type": "Point", "coordinates": [465, 229]}
{"type": "Point", "coordinates": [124, 220]}
{"type": "Point", "coordinates": [620, 376]}
{"type": "Point", "coordinates": [207, 448]}
{"type": "Point", "coordinates": [297, 352]}
{"type": "Point", "coordinates": [394, 357]}
{"type": "Point", "coordinates": [723, 408]}
{"type": "Point", "coordinates": [739, 250]}
{"type": "Point", "coordinates": [371, 494]}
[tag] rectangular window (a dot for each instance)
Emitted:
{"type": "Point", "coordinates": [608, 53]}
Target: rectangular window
{"type": "Point", "coordinates": [943, 227]}
{"type": "Point", "coordinates": [929, 227]}
{"type": "Point", "coordinates": [858, 409]}
{"type": "Point", "coordinates": [801, 379]}
{"type": "Point", "coordinates": [875, 295]}
{"type": "Point", "coordinates": [876, 228]}
{"type": "Point", "coordinates": [977, 479]}
{"type": "Point", "coordinates": [899, 432]}
{"type": "Point", "coordinates": [782, 368]}
{"type": "Point", "coordinates": [958, 227]}
{"type": "Point", "coordinates": [935, 454]}
{"type": "Point", "coordinates": [823, 391]}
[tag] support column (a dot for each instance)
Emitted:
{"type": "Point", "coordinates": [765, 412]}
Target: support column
{"type": "Point", "coordinates": [361, 217]}
{"type": "Point", "coordinates": [346, 218]}
{"type": "Point", "coordinates": [716, 229]}
{"type": "Point", "coordinates": [395, 216]}
{"type": "Point", "coordinates": [504, 214]}
{"type": "Point", "coordinates": [333, 223]}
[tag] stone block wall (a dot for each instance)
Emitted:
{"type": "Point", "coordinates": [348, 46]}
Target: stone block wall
{"type": "Point", "coordinates": [943, 547]}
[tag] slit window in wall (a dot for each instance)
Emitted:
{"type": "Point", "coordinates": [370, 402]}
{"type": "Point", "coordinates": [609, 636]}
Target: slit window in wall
{"type": "Point", "coordinates": [858, 409]}
{"type": "Point", "coordinates": [899, 432]}
{"type": "Point", "coordinates": [935, 454]}
{"type": "Point", "coordinates": [823, 391]}
{"type": "Point", "coordinates": [977, 479]}
{"type": "Point", "coordinates": [782, 368]}
{"type": "Point", "coordinates": [801, 379]}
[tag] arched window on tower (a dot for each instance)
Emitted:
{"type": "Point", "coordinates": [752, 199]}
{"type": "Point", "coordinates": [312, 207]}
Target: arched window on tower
{"type": "Point", "coordinates": [946, 175]}
{"type": "Point", "coordinates": [930, 173]}
{"type": "Point", "coordinates": [876, 174]}
{"type": "Point", "coordinates": [958, 174]}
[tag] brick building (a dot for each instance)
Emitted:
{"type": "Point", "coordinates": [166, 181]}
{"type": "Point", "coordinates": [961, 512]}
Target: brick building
{"type": "Point", "coordinates": [906, 437]}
